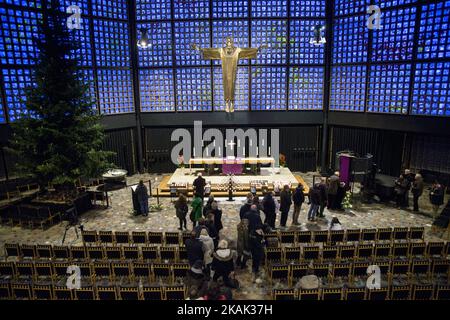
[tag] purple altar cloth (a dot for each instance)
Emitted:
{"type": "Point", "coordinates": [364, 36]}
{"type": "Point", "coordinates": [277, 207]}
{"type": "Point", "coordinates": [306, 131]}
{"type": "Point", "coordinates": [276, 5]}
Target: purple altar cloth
{"type": "Point", "coordinates": [232, 168]}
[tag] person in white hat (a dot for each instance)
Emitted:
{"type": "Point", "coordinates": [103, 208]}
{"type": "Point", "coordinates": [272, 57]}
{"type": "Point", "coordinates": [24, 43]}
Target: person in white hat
{"type": "Point", "coordinates": [223, 264]}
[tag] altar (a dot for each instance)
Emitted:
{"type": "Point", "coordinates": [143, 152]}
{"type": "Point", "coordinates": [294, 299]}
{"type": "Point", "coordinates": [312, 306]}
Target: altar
{"type": "Point", "coordinates": [231, 165]}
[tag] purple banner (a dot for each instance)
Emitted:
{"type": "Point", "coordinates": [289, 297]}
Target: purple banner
{"type": "Point", "coordinates": [344, 169]}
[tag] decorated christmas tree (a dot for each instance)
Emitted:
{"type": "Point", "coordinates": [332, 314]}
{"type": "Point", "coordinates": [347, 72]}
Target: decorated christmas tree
{"type": "Point", "coordinates": [58, 139]}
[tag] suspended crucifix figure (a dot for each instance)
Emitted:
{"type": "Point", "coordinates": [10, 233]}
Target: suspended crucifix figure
{"type": "Point", "coordinates": [230, 56]}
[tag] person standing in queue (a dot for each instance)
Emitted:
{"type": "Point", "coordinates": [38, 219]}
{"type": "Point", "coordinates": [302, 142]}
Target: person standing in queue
{"type": "Point", "coordinates": [199, 186]}
{"type": "Point", "coordinates": [142, 196]}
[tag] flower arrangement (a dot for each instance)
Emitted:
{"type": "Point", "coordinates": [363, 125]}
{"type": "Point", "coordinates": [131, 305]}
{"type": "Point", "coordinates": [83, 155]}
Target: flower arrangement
{"type": "Point", "coordinates": [347, 202]}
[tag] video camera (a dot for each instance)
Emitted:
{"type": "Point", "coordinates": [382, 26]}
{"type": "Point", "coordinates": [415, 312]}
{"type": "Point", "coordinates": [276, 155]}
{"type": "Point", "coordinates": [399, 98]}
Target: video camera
{"type": "Point", "coordinates": [71, 215]}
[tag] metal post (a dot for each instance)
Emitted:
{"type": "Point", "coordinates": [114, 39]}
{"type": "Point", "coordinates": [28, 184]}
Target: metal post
{"type": "Point", "coordinates": [327, 83]}
{"type": "Point", "coordinates": [135, 75]}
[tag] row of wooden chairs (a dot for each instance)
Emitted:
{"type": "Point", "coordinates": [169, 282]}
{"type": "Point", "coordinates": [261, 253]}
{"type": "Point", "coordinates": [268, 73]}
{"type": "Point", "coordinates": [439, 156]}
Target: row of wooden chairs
{"type": "Point", "coordinates": [21, 291]}
{"type": "Point", "coordinates": [89, 253]}
{"type": "Point", "coordinates": [350, 235]}
{"type": "Point", "coordinates": [134, 237]}
{"type": "Point", "coordinates": [426, 268]}
{"type": "Point", "coordinates": [284, 237]}
{"type": "Point", "coordinates": [93, 271]}
{"type": "Point", "coordinates": [406, 292]}
{"type": "Point", "coordinates": [358, 251]}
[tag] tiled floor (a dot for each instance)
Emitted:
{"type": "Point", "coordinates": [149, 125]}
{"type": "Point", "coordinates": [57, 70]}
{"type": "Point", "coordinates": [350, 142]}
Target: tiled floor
{"type": "Point", "coordinates": [119, 218]}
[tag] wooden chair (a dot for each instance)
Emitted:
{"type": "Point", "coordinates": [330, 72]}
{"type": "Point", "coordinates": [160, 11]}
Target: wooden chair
{"type": "Point", "coordinates": [309, 294]}
{"type": "Point", "coordinates": [332, 294]}
{"type": "Point", "coordinates": [282, 295]}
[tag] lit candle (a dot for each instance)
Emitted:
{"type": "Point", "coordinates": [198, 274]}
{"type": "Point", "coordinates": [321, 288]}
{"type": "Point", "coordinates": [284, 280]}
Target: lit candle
{"type": "Point", "coordinates": [257, 151]}
{"type": "Point", "coordinates": [269, 152]}
{"type": "Point", "coordinates": [194, 152]}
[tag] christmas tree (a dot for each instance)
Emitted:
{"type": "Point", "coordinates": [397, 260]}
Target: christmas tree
{"type": "Point", "coordinates": [58, 139]}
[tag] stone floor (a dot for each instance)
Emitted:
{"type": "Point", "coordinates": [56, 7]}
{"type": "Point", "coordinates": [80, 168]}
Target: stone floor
{"type": "Point", "coordinates": [119, 217]}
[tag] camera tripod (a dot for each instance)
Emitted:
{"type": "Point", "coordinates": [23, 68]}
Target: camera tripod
{"type": "Point", "coordinates": [76, 226]}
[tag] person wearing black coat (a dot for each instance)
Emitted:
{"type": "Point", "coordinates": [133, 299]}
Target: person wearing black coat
{"type": "Point", "coordinates": [217, 216]}
{"type": "Point", "coordinates": [211, 227]}
{"type": "Point", "coordinates": [223, 264]}
{"type": "Point", "coordinates": [207, 206]}
{"type": "Point", "coordinates": [297, 198]}
{"type": "Point", "coordinates": [400, 189]}
{"type": "Point", "coordinates": [269, 209]}
{"type": "Point", "coordinates": [314, 201]}
{"type": "Point", "coordinates": [285, 205]}
{"type": "Point", "coordinates": [245, 208]}
{"type": "Point", "coordinates": [194, 249]}
{"type": "Point", "coordinates": [436, 197]}
{"type": "Point", "coordinates": [256, 238]}
{"type": "Point", "coordinates": [199, 186]}
{"type": "Point", "coordinates": [323, 197]}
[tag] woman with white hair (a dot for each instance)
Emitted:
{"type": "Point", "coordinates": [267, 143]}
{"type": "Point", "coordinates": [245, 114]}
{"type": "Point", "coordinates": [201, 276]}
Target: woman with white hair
{"type": "Point", "coordinates": [223, 264]}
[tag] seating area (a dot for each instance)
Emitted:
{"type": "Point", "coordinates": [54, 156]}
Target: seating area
{"type": "Point", "coordinates": [152, 265]}
{"type": "Point", "coordinates": [406, 292]}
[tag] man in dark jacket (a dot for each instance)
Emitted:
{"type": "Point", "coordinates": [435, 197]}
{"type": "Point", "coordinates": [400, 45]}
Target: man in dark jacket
{"type": "Point", "coordinates": [256, 237]}
{"type": "Point", "coordinates": [142, 196]}
{"type": "Point", "coordinates": [314, 201]}
{"type": "Point", "coordinates": [217, 216]}
{"type": "Point", "coordinates": [333, 186]}
{"type": "Point", "coordinates": [245, 208]}
{"type": "Point", "coordinates": [194, 249]}
{"type": "Point", "coordinates": [436, 197]}
{"type": "Point", "coordinates": [323, 197]}
{"type": "Point", "coordinates": [298, 198]}
{"type": "Point", "coordinates": [285, 205]}
{"type": "Point", "coordinates": [269, 210]}
{"type": "Point", "coordinates": [199, 186]}
{"type": "Point", "coordinates": [417, 190]}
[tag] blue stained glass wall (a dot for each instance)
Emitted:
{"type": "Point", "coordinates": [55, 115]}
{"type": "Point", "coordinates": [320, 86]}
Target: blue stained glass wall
{"type": "Point", "coordinates": [160, 53]}
{"type": "Point", "coordinates": [389, 88]}
{"type": "Point", "coordinates": [348, 86]}
{"type": "Point", "coordinates": [111, 43]}
{"type": "Point", "coordinates": [2, 113]}
{"type": "Point", "coordinates": [268, 88]}
{"type": "Point", "coordinates": [346, 7]}
{"type": "Point", "coordinates": [191, 9]}
{"type": "Point", "coordinates": [83, 35]}
{"type": "Point", "coordinates": [153, 10]}
{"type": "Point", "coordinates": [194, 89]}
{"type": "Point", "coordinates": [24, 3]}
{"type": "Point", "coordinates": [351, 38]}
{"type": "Point", "coordinates": [114, 9]}
{"type": "Point", "coordinates": [274, 34]}
{"type": "Point", "coordinates": [434, 33]}
{"type": "Point", "coordinates": [15, 82]}
{"type": "Point", "coordinates": [251, 23]}
{"type": "Point", "coordinates": [186, 33]}
{"type": "Point", "coordinates": [115, 90]}
{"type": "Point", "coordinates": [156, 90]}
{"type": "Point", "coordinates": [395, 40]}
{"type": "Point", "coordinates": [242, 89]}
{"type": "Point", "coordinates": [311, 8]}
{"type": "Point", "coordinates": [230, 8]}
{"type": "Point", "coordinates": [269, 9]}
{"type": "Point", "coordinates": [17, 30]}
{"type": "Point", "coordinates": [392, 3]}
{"type": "Point", "coordinates": [301, 50]}
{"type": "Point", "coordinates": [306, 88]}
{"type": "Point", "coordinates": [431, 95]}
